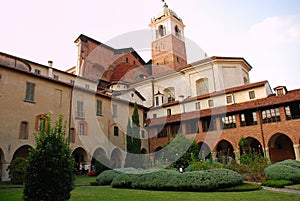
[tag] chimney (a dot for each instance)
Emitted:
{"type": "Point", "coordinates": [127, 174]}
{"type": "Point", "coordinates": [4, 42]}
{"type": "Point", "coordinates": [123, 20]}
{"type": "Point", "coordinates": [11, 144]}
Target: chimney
{"type": "Point", "coordinates": [50, 63]}
{"type": "Point", "coordinates": [50, 70]}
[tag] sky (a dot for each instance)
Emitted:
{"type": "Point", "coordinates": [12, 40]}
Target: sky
{"type": "Point", "coordinates": [264, 32]}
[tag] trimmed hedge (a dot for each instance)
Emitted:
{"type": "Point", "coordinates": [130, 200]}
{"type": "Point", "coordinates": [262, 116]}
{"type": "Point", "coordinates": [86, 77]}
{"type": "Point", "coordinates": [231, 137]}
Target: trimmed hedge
{"type": "Point", "coordinates": [107, 176]}
{"type": "Point", "coordinates": [285, 170]}
{"type": "Point", "coordinates": [207, 180]}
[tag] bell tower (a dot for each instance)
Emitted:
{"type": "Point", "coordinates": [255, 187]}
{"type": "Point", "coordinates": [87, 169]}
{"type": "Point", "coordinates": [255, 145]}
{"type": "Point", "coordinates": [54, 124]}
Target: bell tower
{"type": "Point", "coordinates": [168, 45]}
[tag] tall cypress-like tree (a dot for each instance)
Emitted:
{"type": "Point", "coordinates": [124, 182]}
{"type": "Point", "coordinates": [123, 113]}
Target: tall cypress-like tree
{"type": "Point", "coordinates": [50, 169]}
{"type": "Point", "coordinates": [133, 139]}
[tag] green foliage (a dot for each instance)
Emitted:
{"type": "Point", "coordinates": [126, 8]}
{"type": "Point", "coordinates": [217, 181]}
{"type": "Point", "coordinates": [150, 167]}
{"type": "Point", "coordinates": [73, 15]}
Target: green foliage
{"type": "Point", "coordinates": [180, 151]}
{"type": "Point", "coordinates": [133, 157]}
{"type": "Point", "coordinates": [285, 170]}
{"type": "Point", "coordinates": [50, 171]}
{"type": "Point", "coordinates": [204, 165]}
{"type": "Point", "coordinates": [277, 183]}
{"type": "Point", "coordinates": [241, 188]}
{"type": "Point", "coordinates": [106, 177]}
{"type": "Point", "coordinates": [208, 180]}
{"type": "Point", "coordinates": [17, 170]}
{"type": "Point", "coordinates": [244, 145]}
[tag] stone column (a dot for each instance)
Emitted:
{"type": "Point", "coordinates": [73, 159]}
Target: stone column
{"type": "Point", "coordinates": [297, 151]}
{"type": "Point", "coordinates": [5, 172]}
{"type": "Point", "coordinates": [267, 153]}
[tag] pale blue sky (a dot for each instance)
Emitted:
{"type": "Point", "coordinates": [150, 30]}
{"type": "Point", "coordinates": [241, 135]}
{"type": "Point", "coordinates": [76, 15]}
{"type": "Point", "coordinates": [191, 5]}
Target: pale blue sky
{"type": "Point", "coordinates": [265, 32]}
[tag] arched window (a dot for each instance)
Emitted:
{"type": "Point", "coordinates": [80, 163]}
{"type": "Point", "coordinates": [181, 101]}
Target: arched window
{"type": "Point", "coordinates": [161, 31]}
{"type": "Point", "coordinates": [169, 95]}
{"type": "Point", "coordinates": [82, 127]}
{"type": "Point", "coordinates": [177, 31]}
{"type": "Point", "coordinates": [202, 86]}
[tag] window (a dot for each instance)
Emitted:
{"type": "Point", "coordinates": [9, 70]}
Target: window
{"type": "Point", "coordinates": [229, 99]}
{"type": "Point", "coordinates": [169, 112]}
{"type": "Point", "coordinates": [169, 94]}
{"type": "Point", "coordinates": [210, 103]}
{"type": "Point", "coordinates": [156, 101]}
{"type": "Point", "coordinates": [127, 60]}
{"type": "Point", "coordinates": [280, 91]}
{"type": "Point", "coordinates": [154, 116]}
{"type": "Point", "coordinates": [37, 71]}
{"type": "Point", "coordinates": [163, 133]}
{"type": "Point", "coordinates": [56, 77]}
{"type": "Point", "coordinates": [175, 129]}
{"type": "Point", "coordinates": [116, 131]}
{"type": "Point", "coordinates": [252, 95]}
{"type": "Point", "coordinates": [197, 106]}
{"type": "Point", "coordinates": [248, 118]}
{"type": "Point", "coordinates": [72, 135]}
{"type": "Point", "coordinates": [23, 130]}
{"type": "Point", "coordinates": [209, 124]}
{"type": "Point", "coordinates": [292, 111]}
{"type": "Point", "coordinates": [87, 86]}
{"type": "Point", "coordinates": [228, 122]}
{"type": "Point", "coordinates": [114, 111]}
{"type": "Point", "coordinates": [82, 128]}
{"type": "Point", "coordinates": [202, 86]}
{"type": "Point", "coordinates": [40, 122]}
{"type": "Point", "coordinates": [99, 108]}
{"type": "Point", "coordinates": [288, 112]}
{"type": "Point", "coordinates": [29, 96]}
{"type": "Point", "coordinates": [270, 115]}
{"type": "Point", "coordinates": [177, 31]}
{"type": "Point", "coordinates": [72, 81]}
{"type": "Point", "coordinates": [192, 127]}
{"type": "Point", "coordinates": [161, 31]}
{"type": "Point", "coordinates": [79, 112]}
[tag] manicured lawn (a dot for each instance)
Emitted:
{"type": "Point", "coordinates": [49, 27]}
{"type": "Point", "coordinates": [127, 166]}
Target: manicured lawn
{"type": "Point", "coordinates": [106, 193]}
{"type": "Point", "coordinates": [111, 194]}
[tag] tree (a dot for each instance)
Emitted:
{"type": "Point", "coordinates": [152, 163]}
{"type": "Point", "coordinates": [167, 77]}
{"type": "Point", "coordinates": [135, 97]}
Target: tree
{"type": "Point", "coordinates": [180, 151]}
{"type": "Point", "coordinates": [133, 140]}
{"type": "Point", "coordinates": [50, 168]}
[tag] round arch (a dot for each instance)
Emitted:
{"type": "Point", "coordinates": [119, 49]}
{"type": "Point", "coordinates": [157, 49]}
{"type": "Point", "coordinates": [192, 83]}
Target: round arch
{"type": "Point", "coordinates": [225, 151]}
{"type": "Point", "coordinates": [22, 152]}
{"type": "Point", "coordinates": [204, 152]}
{"type": "Point", "coordinates": [254, 146]}
{"type": "Point", "coordinates": [81, 157]}
{"type": "Point", "coordinates": [143, 151]}
{"type": "Point", "coordinates": [281, 148]}
{"type": "Point", "coordinates": [116, 158]}
{"type": "Point", "coordinates": [99, 155]}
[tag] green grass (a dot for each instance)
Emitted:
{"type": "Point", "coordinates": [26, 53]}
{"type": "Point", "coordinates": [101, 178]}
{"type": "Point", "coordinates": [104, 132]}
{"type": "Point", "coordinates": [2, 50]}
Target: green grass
{"type": "Point", "coordinates": [103, 193]}
{"type": "Point", "coordinates": [84, 180]}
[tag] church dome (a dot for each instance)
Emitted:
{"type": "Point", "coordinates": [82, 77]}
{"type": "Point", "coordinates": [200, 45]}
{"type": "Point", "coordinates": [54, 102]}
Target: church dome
{"type": "Point", "coordinates": [165, 11]}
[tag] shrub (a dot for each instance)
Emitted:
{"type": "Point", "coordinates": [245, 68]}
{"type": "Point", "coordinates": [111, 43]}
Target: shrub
{"type": "Point", "coordinates": [291, 163]}
{"type": "Point", "coordinates": [50, 170]}
{"type": "Point", "coordinates": [107, 176]}
{"type": "Point", "coordinates": [277, 183]}
{"type": "Point", "coordinates": [242, 187]}
{"type": "Point", "coordinates": [278, 171]}
{"type": "Point", "coordinates": [207, 180]}
{"type": "Point", "coordinates": [17, 170]}
{"type": "Point", "coordinates": [203, 165]}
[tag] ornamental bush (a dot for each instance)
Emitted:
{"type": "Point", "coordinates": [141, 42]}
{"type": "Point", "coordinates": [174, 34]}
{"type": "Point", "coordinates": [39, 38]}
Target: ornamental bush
{"type": "Point", "coordinates": [207, 180]}
{"type": "Point", "coordinates": [50, 168]}
{"type": "Point", "coordinates": [285, 170]}
{"type": "Point", "coordinates": [17, 170]}
{"type": "Point", "coordinates": [107, 176]}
